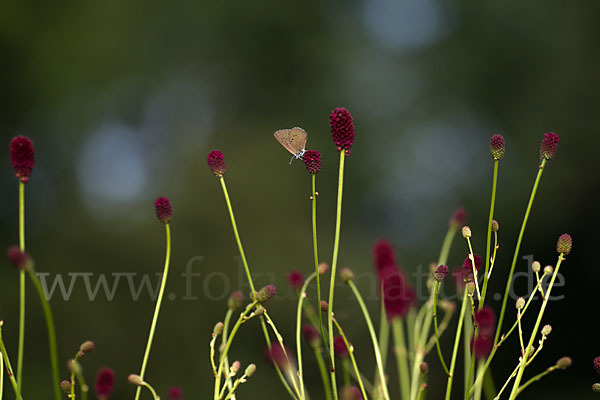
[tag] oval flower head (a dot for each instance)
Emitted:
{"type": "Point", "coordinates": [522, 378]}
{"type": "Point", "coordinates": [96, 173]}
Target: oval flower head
{"type": "Point", "coordinates": [342, 129]}
{"type": "Point", "coordinates": [22, 157]}
{"type": "Point", "coordinates": [216, 163]}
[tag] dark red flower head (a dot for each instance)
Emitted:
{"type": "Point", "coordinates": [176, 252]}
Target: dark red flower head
{"type": "Point", "coordinates": [383, 255]}
{"type": "Point", "coordinates": [486, 321]}
{"type": "Point", "coordinates": [441, 273]}
{"type": "Point", "coordinates": [311, 335]}
{"type": "Point", "coordinates": [105, 383]}
{"type": "Point", "coordinates": [342, 129]}
{"type": "Point", "coordinates": [295, 279]}
{"type": "Point", "coordinates": [339, 347]}
{"type": "Point", "coordinates": [216, 162]}
{"type": "Point", "coordinates": [467, 263]}
{"type": "Point", "coordinates": [482, 346]}
{"type": "Point", "coordinates": [22, 157]}
{"type": "Point", "coordinates": [277, 356]}
{"type": "Point", "coordinates": [351, 393]}
{"type": "Point", "coordinates": [497, 147]}
{"type": "Point", "coordinates": [459, 218]}
{"type": "Point", "coordinates": [17, 258]}
{"type": "Point", "coordinates": [398, 296]}
{"type": "Point", "coordinates": [461, 276]}
{"type": "Point", "coordinates": [597, 364]}
{"type": "Point", "coordinates": [175, 393]}
{"type": "Point", "coordinates": [312, 161]}
{"type": "Point", "coordinates": [564, 244]}
{"type": "Point", "coordinates": [164, 211]}
{"type": "Point", "coordinates": [549, 145]}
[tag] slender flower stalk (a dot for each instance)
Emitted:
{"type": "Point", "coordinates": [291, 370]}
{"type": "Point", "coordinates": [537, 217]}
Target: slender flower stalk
{"type": "Point", "coordinates": [401, 357]}
{"type": "Point", "coordinates": [525, 358]}
{"type": "Point", "coordinates": [301, 298]}
{"type": "Point", "coordinates": [336, 246]}
{"type": "Point", "coordinates": [489, 236]}
{"type": "Point", "coordinates": [435, 326]}
{"type": "Point", "coordinates": [463, 308]}
{"type": "Point", "coordinates": [163, 212]}
{"type": "Point", "coordinates": [352, 359]}
{"type": "Point", "coordinates": [21, 289]}
{"type": "Point", "coordinates": [563, 363]}
{"type": "Point", "coordinates": [518, 247]}
{"type": "Point", "coordinates": [376, 350]}
{"type": "Point", "coordinates": [6, 360]}
{"type": "Point", "coordinates": [224, 337]}
{"type": "Point", "coordinates": [315, 247]}
{"type": "Point", "coordinates": [323, 372]}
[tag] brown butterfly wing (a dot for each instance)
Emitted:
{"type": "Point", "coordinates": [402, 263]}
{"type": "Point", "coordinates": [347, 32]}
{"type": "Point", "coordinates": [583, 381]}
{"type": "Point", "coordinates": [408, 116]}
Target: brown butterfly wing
{"type": "Point", "coordinates": [298, 139]}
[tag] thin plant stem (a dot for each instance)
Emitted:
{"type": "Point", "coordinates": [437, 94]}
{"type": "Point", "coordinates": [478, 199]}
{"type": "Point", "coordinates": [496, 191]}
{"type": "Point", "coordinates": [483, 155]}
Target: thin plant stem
{"type": "Point", "coordinates": [301, 298]}
{"type": "Point", "coordinates": [51, 331]}
{"type": "Point", "coordinates": [238, 381]}
{"type": "Point", "coordinates": [421, 394]}
{"type": "Point", "coordinates": [316, 252]}
{"type": "Point", "coordinates": [411, 319]}
{"type": "Point", "coordinates": [435, 327]}
{"type": "Point", "coordinates": [489, 235]}
{"type": "Point", "coordinates": [323, 372]}
{"type": "Point", "coordinates": [461, 317]}
{"type": "Point", "coordinates": [384, 338]}
{"type": "Point", "coordinates": [346, 372]}
{"type": "Point", "coordinates": [468, 359]}
{"type": "Point", "coordinates": [336, 245]}
{"type": "Point", "coordinates": [524, 360]}
{"type": "Point", "coordinates": [536, 378]}
{"type": "Point", "coordinates": [21, 344]}
{"type": "Point", "coordinates": [478, 388]}
{"type": "Point", "coordinates": [352, 359]}
{"type": "Point", "coordinates": [263, 325]}
{"type": "Point", "coordinates": [224, 336]}
{"type": "Point", "coordinates": [1, 377]}
{"type": "Point", "coordinates": [376, 350]}
{"type": "Point", "coordinates": [82, 385]}
{"type": "Point", "coordinates": [151, 389]}
{"type": "Point", "coordinates": [517, 248]}
{"type": "Point", "coordinates": [72, 395]}
{"type": "Point", "coordinates": [420, 347]}
{"type": "Point", "coordinates": [401, 357]}
{"type": "Point", "coordinates": [163, 284]}
{"type": "Point", "coordinates": [475, 274]}
{"type": "Point", "coordinates": [7, 363]}
{"type": "Point", "coordinates": [446, 245]}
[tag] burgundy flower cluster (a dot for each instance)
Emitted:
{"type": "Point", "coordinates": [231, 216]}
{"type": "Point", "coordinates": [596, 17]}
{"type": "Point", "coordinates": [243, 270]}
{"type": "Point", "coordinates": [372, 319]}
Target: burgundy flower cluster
{"type": "Point", "coordinates": [486, 323]}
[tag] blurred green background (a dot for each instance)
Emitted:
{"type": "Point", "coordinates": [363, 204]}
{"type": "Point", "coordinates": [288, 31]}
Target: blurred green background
{"type": "Point", "coordinates": [124, 100]}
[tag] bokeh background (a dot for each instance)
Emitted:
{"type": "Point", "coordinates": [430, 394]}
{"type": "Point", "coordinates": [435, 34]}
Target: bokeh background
{"type": "Point", "coordinates": [125, 99]}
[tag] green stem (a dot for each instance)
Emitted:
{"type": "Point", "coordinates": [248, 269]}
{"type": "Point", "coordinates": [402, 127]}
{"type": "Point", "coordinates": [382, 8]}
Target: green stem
{"type": "Point", "coordinates": [461, 317]}
{"type": "Point", "coordinates": [21, 347]}
{"type": "Point", "coordinates": [299, 328]}
{"type": "Point", "coordinates": [316, 252]}
{"type": "Point", "coordinates": [83, 386]}
{"type": "Point", "coordinates": [421, 347]}
{"type": "Point", "coordinates": [161, 293]}
{"type": "Point", "coordinates": [401, 357]}
{"type": "Point", "coordinates": [279, 338]}
{"type": "Point", "coordinates": [7, 363]}
{"type": "Point", "coordinates": [346, 372]}
{"type": "Point", "coordinates": [446, 245]}
{"type": "Point", "coordinates": [237, 235]}
{"type": "Point", "coordinates": [517, 248]}
{"type": "Point", "coordinates": [151, 389]}
{"type": "Point", "coordinates": [489, 235]}
{"type": "Point", "coordinates": [468, 360]}
{"type": "Point", "coordinates": [224, 337]}
{"type": "Point", "coordinates": [352, 359]}
{"type": "Point", "coordinates": [478, 388]}
{"type": "Point", "coordinates": [72, 395]}
{"type": "Point", "coordinates": [536, 378]}
{"type": "Point", "coordinates": [1, 377]}
{"type": "Point", "coordinates": [435, 327]}
{"type": "Point", "coordinates": [323, 372]}
{"type": "Point", "coordinates": [376, 349]}
{"type": "Point", "coordinates": [336, 245]}
{"type": "Point", "coordinates": [277, 369]}
{"type": "Point", "coordinates": [525, 357]}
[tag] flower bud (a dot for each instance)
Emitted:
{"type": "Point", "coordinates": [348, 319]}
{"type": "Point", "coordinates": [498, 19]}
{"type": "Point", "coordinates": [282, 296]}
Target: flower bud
{"type": "Point", "coordinates": [235, 300]}
{"type": "Point", "coordinates": [597, 364]}
{"type": "Point", "coordinates": [105, 382]}
{"type": "Point", "coordinates": [596, 387]}
{"type": "Point", "coordinates": [65, 386]}
{"type": "Point", "coordinates": [266, 293]}
{"type": "Point", "coordinates": [311, 335]}
{"type": "Point", "coordinates": [536, 266]}
{"type": "Point", "coordinates": [441, 273]}
{"type": "Point", "coordinates": [346, 275]}
{"type": "Point", "coordinates": [548, 269]}
{"type": "Point", "coordinates": [218, 329]}
{"type": "Point", "coordinates": [86, 347]}
{"type": "Point", "coordinates": [459, 217]}
{"type": "Point", "coordinates": [295, 279]}
{"type": "Point", "coordinates": [323, 268]}
{"type": "Point", "coordinates": [260, 310]}
{"type": "Point", "coordinates": [135, 380]}
{"type": "Point", "coordinates": [497, 147]}
{"type": "Point", "coordinates": [235, 367]}
{"type": "Point", "coordinates": [549, 145]}
{"type": "Point", "coordinates": [424, 367]}
{"type": "Point", "coordinates": [546, 330]}
{"type": "Point", "coordinates": [339, 347]}
{"type": "Point", "coordinates": [164, 211]}
{"type": "Point", "coordinates": [564, 244]}
{"type": "Point", "coordinates": [470, 288]}
{"type": "Point", "coordinates": [324, 306]}
{"type": "Point", "coordinates": [520, 303]}
{"type": "Point", "coordinates": [466, 232]}
{"type": "Point", "coordinates": [250, 370]}
{"type": "Point", "coordinates": [216, 163]}
{"type": "Point", "coordinates": [22, 157]}
{"type": "Point", "coordinates": [18, 259]}
{"type": "Point", "coordinates": [495, 226]}
{"type": "Point", "coordinates": [564, 362]}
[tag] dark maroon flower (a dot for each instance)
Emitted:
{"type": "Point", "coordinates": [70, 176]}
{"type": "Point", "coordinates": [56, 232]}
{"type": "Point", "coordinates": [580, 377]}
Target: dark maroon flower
{"type": "Point", "coordinates": [441, 273]}
{"type": "Point", "coordinates": [22, 157]}
{"type": "Point", "coordinates": [164, 211]}
{"type": "Point", "coordinates": [486, 321]}
{"type": "Point", "coordinates": [105, 383]}
{"type": "Point", "coordinates": [295, 279]}
{"type": "Point", "coordinates": [597, 364]}
{"type": "Point", "coordinates": [461, 276]}
{"type": "Point", "coordinates": [175, 393]}
{"type": "Point", "coordinates": [398, 296]}
{"type": "Point", "coordinates": [383, 255]}
{"type": "Point", "coordinates": [459, 218]}
{"type": "Point", "coordinates": [549, 145]}
{"type": "Point", "coordinates": [277, 356]}
{"type": "Point", "coordinates": [311, 335]}
{"type": "Point", "coordinates": [564, 244]}
{"type": "Point", "coordinates": [482, 346]}
{"type": "Point", "coordinates": [351, 393]}
{"type": "Point", "coordinates": [17, 258]}
{"type": "Point", "coordinates": [467, 263]}
{"type": "Point", "coordinates": [497, 147]}
{"type": "Point", "coordinates": [216, 162]}
{"type": "Point", "coordinates": [339, 347]}
{"type": "Point", "coordinates": [312, 161]}
{"type": "Point", "coordinates": [342, 129]}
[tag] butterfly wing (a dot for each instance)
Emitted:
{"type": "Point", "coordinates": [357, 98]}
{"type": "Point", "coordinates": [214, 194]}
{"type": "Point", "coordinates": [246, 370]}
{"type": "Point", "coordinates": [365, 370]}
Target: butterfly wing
{"type": "Point", "coordinates": [298, 138]}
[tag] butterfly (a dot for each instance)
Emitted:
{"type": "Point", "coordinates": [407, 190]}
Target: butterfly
{"type": "Point", "coordinates": [294, 141]}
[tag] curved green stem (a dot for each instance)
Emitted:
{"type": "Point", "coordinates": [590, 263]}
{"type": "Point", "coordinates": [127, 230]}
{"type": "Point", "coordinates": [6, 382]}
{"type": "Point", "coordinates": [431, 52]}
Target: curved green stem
{"type": "Point", "coordinates": [461, 317]}
{"type": "Point", "coordinates": [151, 389]}
{"type": "Point", "coordinates": [352, 359]}
{"type": "Point", "coordinates": [323, 372]}
{"type": "Point", "coordinates": [336, 245]}
{"type": "Point", "coordinates": [525, 357]}
{"type": "Point", "coordinates": [7, 363]}
{"type": "Point", "coordinates": [72, 394]}
{"type": "Point", "coordinates": [536, 378]}
{"type": "Point", "coordinates": [21, 347]}
{"type": "Point", "coordinates": [161, 293]}
{"type": "Point", "coordinates": [376, 350]}
{"type": "Point", "coordinates": [80, 378]}
{"type": "Point", "coordinates": [517, 248]}
{"type": "Point", "coordinates": [277, 369]}
{"type": "Point", "coordinates": [299, 328]}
